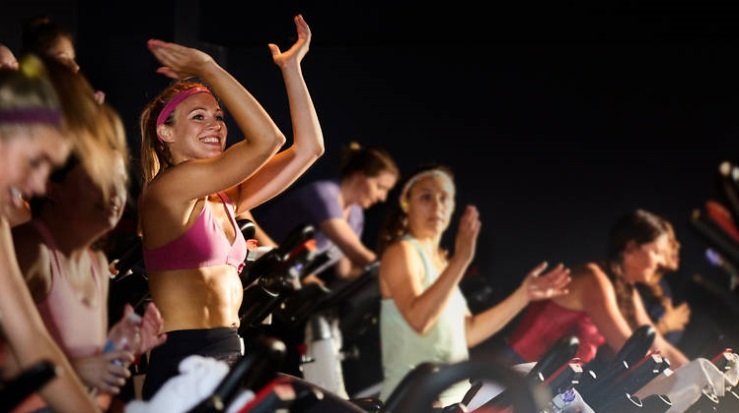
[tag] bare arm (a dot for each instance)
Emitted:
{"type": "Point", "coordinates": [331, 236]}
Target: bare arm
{"type": "Point", "coordinates": [675, 356]}
{"type": "Point", "coordinates": [33, 260]}
{"type": "Point", "coordinates": [401, 272]}
{"type": "Point", "coordinates": [28, 339]}
{"type": "Point", "coordinates": [356, 254]}
{"type": "Point", "coordinates": [536, 286]}
{"type": "Point", "coordinates": [262, 137]}
{"type": "Point", "coordinates": [259, 233]}
{"type": "Point", "coordinates": [598, 296]}
{"type": "Point", "coordinates": [288, 165]}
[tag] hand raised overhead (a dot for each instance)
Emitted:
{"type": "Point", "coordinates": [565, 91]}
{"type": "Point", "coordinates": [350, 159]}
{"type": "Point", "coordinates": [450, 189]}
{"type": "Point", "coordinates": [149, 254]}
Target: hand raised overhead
{"type": "Point", "coordinates": [179, 62]}
{"type": "Point", "coordinates": [298, 50]}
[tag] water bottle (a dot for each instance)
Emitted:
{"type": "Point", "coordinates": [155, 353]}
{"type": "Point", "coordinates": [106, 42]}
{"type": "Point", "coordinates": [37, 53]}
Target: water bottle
{"type": "Point", "coordinates": [561, 402]}
{"type": "Point", "coordinates": [125, 335]}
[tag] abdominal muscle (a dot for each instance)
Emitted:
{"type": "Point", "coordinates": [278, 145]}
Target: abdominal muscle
{"type": "Point", "coordinates": [197, 298]}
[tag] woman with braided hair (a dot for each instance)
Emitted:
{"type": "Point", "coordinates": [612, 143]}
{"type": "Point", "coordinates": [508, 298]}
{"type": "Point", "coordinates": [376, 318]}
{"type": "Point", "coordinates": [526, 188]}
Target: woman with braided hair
{"type": "Point", "coordinates": [603, 307]}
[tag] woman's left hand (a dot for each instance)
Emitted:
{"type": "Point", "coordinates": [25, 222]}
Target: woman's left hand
{"type": "Point", "coordinates": [298, 49]}
{"type": "Point", "coordinates": [551, 284]}
{"type": "Point", "coordinates": [151, 327]}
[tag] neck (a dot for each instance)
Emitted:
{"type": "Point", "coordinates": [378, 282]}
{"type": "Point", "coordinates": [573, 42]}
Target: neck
{"type": "Point", "coordinates": [429, 243]}
{"type": "Point", "coordinates": [347, 193]}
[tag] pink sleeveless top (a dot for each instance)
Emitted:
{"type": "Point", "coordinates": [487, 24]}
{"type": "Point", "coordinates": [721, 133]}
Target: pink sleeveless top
{"type": "Point", "coordinates": [544, 323]}
{"type": "Point", "coordinates": [78, 327]}
{"type": "Point", "coordinates": [202, 245]}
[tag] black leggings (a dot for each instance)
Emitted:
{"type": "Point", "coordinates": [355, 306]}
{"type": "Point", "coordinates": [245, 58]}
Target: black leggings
{"type": "Point", "coordinates": [221, 343]}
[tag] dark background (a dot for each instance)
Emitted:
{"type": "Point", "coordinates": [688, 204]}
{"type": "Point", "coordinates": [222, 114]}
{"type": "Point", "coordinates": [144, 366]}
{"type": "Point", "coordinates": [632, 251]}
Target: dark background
{"type": "Point", "coordinates": [557, 118]}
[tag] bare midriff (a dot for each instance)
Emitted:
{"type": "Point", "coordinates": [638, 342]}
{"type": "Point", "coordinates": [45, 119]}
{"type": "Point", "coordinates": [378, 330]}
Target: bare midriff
{"type": "Point", "coordinates": [198, 298]}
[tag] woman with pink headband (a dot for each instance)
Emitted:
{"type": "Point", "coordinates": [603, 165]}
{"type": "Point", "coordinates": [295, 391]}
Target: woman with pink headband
{"type": "Point", "coordinates": [32, 143]}
{"type": "Point", "coordinates": [423, 315]}
{"type": "Point", "coordinates": [195, 189]}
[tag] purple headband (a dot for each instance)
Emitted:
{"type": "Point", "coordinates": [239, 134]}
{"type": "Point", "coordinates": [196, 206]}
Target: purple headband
{"type": "Point", "coordinates": [176, 100]}
{"type": "Point", "coordinates": [31, 115]}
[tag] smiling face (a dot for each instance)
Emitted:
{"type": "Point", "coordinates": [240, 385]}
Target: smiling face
{"type": "Point", "coordinates": [199, 129]}
{"type": "Point", "coordinates": [27, 156]}
{"type": "Point", "coordinates": [430, 204]}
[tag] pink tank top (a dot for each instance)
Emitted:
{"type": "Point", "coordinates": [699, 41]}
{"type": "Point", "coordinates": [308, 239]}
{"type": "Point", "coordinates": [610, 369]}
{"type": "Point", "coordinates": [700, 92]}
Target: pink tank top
{"type": "Point", "coordinates": [544, 323]}
{"type": "Point", "coordinates": [77, 326]}
{"type": "Point", "coordinates": [202, 245]}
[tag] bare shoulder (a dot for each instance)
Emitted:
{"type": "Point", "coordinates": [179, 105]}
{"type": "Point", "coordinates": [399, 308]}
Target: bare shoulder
{"type": "Point", "coordinates": [154, 191]}
{"type": "Point", "coordinates": [588, 278]}
{"type": "Point", "coordinates": [397, 256]}
{"type": "Point", "coordinates": [400, 269]}
{"type": "Point", "coordinates": [33, 259]}
{"type": "Point", "coordinates": [588, 271]}
{"type": "Point", "coordinates": [399, 248]}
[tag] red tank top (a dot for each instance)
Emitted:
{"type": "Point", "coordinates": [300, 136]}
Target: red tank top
{"type": "Point", "coordinates": [544, 323]}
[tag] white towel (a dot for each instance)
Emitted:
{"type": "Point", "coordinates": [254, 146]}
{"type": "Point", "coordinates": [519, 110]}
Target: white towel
{"type": "Point", "coordinates": [199, 376]}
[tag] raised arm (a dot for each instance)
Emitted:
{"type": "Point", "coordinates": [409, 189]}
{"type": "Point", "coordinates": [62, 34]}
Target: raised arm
{"type": "Point", "coordinates": [401, 272]}
{"type": "Point", "coordinates": [288, 165]}
{"type": "Point", "coordinates": [262, 138]}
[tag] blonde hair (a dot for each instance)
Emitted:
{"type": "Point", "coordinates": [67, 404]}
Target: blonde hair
{"type": "Point", "coordinates": [155, 154]}
{"type": "Point", "coordinates": [95, 129]}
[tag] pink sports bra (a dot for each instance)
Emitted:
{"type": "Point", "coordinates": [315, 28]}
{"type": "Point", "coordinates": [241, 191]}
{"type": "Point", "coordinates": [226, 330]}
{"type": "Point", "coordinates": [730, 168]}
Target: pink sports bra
{"type": "Point", "coordinates": [203, 245]}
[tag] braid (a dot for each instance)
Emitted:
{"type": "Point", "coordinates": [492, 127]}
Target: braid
{"type": "Point", "coordinates": [640, 227]}
{"type": "Point", "coordinates": [624, 295]}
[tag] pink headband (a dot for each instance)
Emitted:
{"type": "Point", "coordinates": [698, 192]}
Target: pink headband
{"type": "Point", "coordinates": [31, 115]}
{"type": "Point", "coordinates": [176, 100]}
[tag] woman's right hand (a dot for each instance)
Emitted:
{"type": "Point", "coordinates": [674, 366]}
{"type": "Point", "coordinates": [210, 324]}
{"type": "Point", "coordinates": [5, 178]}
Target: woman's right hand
{"type": "Point", "coordinates": [467, 232]}
{"type": "Point", "coordinates": [179, 62]}
{"type": "Point", "coordinates": [105, 371]}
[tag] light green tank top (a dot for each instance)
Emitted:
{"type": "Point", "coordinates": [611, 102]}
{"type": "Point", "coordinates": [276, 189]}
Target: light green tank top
{"type": "Point", "coordinates": [445, 342]}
